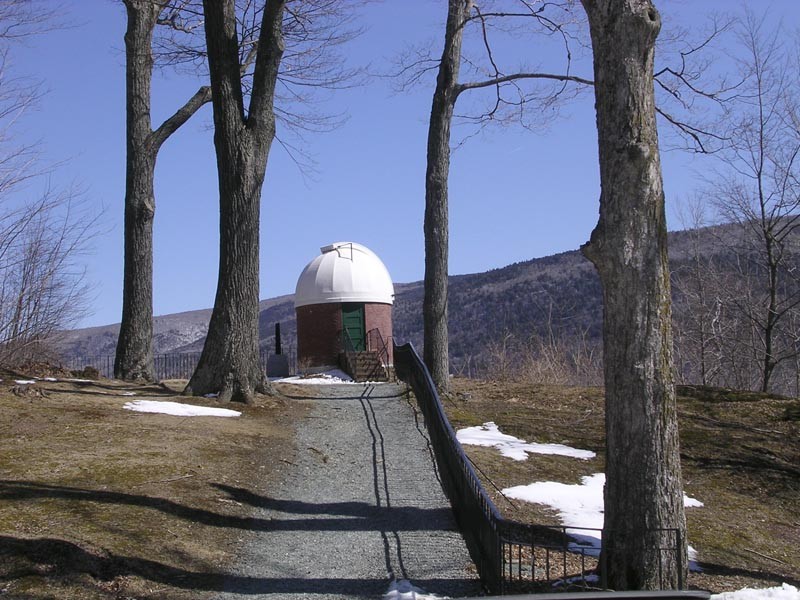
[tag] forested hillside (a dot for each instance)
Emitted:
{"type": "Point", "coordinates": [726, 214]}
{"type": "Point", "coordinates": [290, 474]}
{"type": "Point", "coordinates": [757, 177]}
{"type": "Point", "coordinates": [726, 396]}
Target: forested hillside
{"type": "Point", "coordinates": [519, 299]}
{"type": "Point", "coordinates": [542, 318]}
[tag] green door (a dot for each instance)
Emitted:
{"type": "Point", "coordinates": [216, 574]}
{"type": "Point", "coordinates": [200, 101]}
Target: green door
{"type": "Point", "coordinates": [353, 324]}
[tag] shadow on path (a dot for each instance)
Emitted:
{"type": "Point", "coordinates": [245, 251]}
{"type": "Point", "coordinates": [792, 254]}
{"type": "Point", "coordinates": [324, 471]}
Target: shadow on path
{"type": "Point", "coordinates": [387, 454]}
{"type": "Point", "coordinates": [362, 516]}
{"type": "Point", "coordinates": [27, 557]}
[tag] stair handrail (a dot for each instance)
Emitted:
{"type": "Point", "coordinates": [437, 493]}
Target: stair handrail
{"type": "Point", "coordinates": [383, 346]}
{"type": "Point", "coordinates": [349, 349]}
{"type": "Point", "coordinates": [347, 341]}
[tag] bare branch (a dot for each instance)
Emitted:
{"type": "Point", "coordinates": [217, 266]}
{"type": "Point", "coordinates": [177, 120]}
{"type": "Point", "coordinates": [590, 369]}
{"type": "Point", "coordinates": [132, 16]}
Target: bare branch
{"type": "Point", "coordinates": [180, 116]}
{"type": "Point", "coordinates": [505, 78]}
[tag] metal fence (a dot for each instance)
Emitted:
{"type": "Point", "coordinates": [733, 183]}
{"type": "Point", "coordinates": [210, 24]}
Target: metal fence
{"type": "Point", "coordinates": [174, 365]}
{"type": "Point", "coordinates": [511, 557]}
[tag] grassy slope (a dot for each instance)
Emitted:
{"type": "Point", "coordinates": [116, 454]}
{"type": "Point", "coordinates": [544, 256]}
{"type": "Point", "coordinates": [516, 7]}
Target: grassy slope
{"type": "Point", "coordinates": [99, 502]}
{"type": "Point", "coordinates": [741, 457]}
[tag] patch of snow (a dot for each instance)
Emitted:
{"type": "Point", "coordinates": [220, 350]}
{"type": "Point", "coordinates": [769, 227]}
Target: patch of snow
{"type": "Point", "coordinates": [214, 395]}
{"type": "Point", "coordinates": [405, 590]}
{"type": "Point", "coordinates": [785, 592]}
{"type": "Point", "coordinates": [24, 381]}
{"type": "Point", "coordinates": [692, 502]}
{"type": "Point", "coordinates": [179, 410]}
{"type": "Point", "coordinates": [332, 377]}
{"type": "Point", "coordinates": [128, 394]}
{"type": "Point", "coordinates": [50, 379]}
{"type": "Point", "coordinates": [72, 380]}
{"type": "Point", "coordinates": [489, 434]}
{"type": "Point", "coordinates": [580, 507]}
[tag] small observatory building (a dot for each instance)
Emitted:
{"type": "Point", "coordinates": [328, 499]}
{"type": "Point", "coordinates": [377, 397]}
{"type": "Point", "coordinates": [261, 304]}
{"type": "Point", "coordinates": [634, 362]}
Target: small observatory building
{"type": "Point", "coordinates": [343, 302]}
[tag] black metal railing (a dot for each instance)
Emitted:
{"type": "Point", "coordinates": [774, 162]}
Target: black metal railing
{"type": "Point", "coordinates": [348, 364]}
{"type": "Point", "coordinates": [347, 343]}
{"type": "Point", "coordinates": [104, 363]}
{"type": "Point", "coordinates": [475, 513]}
{"type": "Point", "coordinates": [376, 343]}
{"type": "Point", "coordinates": [511, 557]}
{"type": "Point", "coordinates": [174, 365]}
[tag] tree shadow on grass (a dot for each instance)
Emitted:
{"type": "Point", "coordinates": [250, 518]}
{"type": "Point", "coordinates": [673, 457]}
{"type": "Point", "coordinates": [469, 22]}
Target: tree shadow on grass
{"type": "Point", "coordinates": [333, 516]}
{"type": "Point", "coordinates": [766, 576]}
{"type": "Point", "coordinates": [20, 558]}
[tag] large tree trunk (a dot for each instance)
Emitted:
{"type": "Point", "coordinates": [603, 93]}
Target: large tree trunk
{"type": "Point", "coordinates": [434, 307]}
{"type": "Point", "coordinates": [644, 492]}
{"type": "Point", "coordinates": [134, 357]}
{"type": "Point", "coordinates": [229, 364]}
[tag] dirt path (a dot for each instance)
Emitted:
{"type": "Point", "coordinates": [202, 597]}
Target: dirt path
{"type": "Point", "coordinates": [359, 506]}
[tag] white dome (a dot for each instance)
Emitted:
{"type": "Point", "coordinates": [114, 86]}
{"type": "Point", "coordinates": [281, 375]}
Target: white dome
{"type": "Point", "coordinates": [344, 272]}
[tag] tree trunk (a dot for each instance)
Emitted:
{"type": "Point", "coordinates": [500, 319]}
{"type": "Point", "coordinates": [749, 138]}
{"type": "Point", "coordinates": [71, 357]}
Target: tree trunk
{"type": "Point", "coordinates": [434, 308]}
{"type": "Point", "coordinates": [771, 320]}
{"type": "Point", "coordinates": [134, 357]}
{"type": "Point", "coordinates": [644, 492]}
{"type": "Point", "coordinates": [229, 364]}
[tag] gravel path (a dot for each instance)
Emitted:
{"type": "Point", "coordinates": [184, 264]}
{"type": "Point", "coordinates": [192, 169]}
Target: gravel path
{"type": "Point", "coordinates": [361, 505]}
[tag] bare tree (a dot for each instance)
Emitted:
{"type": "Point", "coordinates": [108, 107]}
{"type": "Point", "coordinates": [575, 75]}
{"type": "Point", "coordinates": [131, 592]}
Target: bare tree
{"type": "Point", "coordinates": [169, 33]}
{"type": "Point", "coordinates": [699, 314]}
{"type": "Point", "coordinates": [229, 362]}
{"type": "Point", "coordinates": [134, 357]}
{"type": "Point", "coordinates": [314, 32]}
{"type": "Point", "coordinates": [42, 288]}
{"type": "Point", "coordinates": [507, 96]}
{"type": "Point", "coordinates": [758, 188]}
{"type": "Point", "coordinates": [512, 94]}
{"type": "Point", "coordinates": [644, 491]}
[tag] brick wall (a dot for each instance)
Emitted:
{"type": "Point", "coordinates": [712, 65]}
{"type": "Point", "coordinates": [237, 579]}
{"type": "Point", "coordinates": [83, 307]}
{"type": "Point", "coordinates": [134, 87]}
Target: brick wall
{"type": "Point", "coordinates": [319, 327]}
{"type": "Point", "coordinates": [380, 316]}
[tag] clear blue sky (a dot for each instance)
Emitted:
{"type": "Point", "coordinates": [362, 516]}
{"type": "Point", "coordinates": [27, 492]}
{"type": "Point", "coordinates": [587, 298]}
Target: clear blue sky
{"type": "Point", "coordinates": [515, 195]}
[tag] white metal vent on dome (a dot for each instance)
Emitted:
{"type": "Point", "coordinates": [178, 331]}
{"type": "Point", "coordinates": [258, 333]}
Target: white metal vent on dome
{"type": "Point", "coordinates": [344, 272]}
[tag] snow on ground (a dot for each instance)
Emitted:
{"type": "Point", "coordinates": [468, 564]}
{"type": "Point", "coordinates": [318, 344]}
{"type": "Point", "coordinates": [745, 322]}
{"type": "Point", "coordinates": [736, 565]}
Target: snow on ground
{"type": "Point", "coordinates": [179, 410]}
{"type": "Point", "coordinates": [405, 590]}
{"type": "Point", "coordinates": [489, 434]}
{"type": "Point", "coordinates": [785, 592]}
{"type": "Point", "coordinates": [579, 506]}
{"type": "Point", "coordinates": [332, 377]}
{"type": "Point", "coordinates": [24, 381]}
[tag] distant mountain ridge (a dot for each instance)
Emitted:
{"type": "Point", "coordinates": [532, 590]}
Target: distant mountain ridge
{"type": "Point", "coordinates": [559, 292]}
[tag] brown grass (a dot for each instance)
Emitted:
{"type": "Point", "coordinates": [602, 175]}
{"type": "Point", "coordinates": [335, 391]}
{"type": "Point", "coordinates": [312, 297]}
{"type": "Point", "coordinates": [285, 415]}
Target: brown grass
{"type": "Point", "coordinates": [741, 457]}
{"type": "Point", "coordinates": [97, 502]}
{"type": "Point", "coordinates": [101, 502]}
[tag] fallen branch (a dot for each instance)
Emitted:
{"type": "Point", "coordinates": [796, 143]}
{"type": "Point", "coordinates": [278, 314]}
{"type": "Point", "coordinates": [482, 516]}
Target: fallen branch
{"type": "Point", "coordinates": [765, 556]}
{"type": "Point", "coordinates": [165, 480]}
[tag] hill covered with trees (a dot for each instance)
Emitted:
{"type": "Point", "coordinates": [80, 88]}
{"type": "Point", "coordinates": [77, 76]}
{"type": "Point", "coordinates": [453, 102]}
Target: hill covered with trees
{"type": "Point", "coordinates": [542, 319]}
